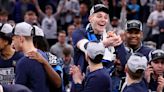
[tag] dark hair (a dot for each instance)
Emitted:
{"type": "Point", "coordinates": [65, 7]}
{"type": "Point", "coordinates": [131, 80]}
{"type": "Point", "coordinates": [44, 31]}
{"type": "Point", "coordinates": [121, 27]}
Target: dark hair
{"type": "Point", "coordinates": [6, 38]}
{"type": "Point", "coordinates": [67, 51]}
{"type": "Point", "coordinates": [3, 12]}
{"type": "Point", "coordinates": [137, 75]}
{"type": "Point", "coordinates": [97, 59]}
{"type": "Point", "coordinates": [41, 43]}
{"type": "Point", "coordinates": [61, 32]}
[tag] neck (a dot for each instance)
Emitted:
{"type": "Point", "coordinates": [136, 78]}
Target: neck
{"type": "Point", "coordinates": [131, 81]}
{"type": "Point", "coordinates": [94, 67]}
{"type": "Point", "coordinates": [7, 52]}
{"type": "Point", "coordinates": [134, 47]}
{"type": "Point", "coordinates": [28, 46]}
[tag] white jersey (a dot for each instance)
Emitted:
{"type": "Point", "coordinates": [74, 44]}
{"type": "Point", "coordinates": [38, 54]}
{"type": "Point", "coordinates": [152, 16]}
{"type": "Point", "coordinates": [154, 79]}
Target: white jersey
{"type": "Point", "coordinates": [49, 26]}
{"type": "Point", "coordinates": [155, 17]}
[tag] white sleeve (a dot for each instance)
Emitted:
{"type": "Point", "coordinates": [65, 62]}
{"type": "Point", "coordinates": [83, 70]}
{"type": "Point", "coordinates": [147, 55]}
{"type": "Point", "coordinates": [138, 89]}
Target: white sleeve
{"type": "Point", "coordinates": [1, 88]}
{"type": "Point", "coordinates": [81, 44]}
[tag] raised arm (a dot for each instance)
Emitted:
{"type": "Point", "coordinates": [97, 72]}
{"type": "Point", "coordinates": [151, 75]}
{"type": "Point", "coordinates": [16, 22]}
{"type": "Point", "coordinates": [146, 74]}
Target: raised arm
{"type": "Point", "coordinates": [41, 13]}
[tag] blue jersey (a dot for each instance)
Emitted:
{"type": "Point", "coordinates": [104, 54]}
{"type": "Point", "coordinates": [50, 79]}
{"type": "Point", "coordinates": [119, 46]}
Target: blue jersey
{"type": "Point", "coordinates": [136, 87]}
{"type": "Point", "coordinates": [31, 73]}
{"type": "Point", "coordinates": [96, 81]}
{"type": "Point", "coordinates": [7, 68]}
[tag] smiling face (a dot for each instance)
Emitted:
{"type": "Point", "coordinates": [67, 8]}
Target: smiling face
{"type": "Point", "coordinates": [133, 38]}
{"type": "Point", "coordinates": [99, 22]}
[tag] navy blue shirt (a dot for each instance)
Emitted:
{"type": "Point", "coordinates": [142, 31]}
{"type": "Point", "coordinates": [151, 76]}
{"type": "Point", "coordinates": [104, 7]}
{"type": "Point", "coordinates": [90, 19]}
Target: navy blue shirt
{"type": "Point", "coordinates": [96, 81]}
{"type": "Point", "coordinates": [7, 68]}
{"type": "Point", "coordinates": [136, 87]}
{"type": "Point", "coordinates": [31, 73]}
{"type": "Point", "coordinates": [12, 61]}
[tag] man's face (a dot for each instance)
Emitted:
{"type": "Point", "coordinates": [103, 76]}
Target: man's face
{"type": "Point", "coordinates": [159, 6]}
{"type": "Point", "coordinates": [3, 18]}
{"type": "Point", "coordinates": [99, 22]}
{"type": "Point", "coordinates": [70, 29]}
{"type": "Point", "coordinates": [31, 18]}
{"type": "Point", "coordinates": [62, 38]}
{"type": "Point", "coordinates": [133, 37]}
{"type": "Point", "coordinates": [17, 42]}
{"type": "Point", "coordinates": [158, 66]}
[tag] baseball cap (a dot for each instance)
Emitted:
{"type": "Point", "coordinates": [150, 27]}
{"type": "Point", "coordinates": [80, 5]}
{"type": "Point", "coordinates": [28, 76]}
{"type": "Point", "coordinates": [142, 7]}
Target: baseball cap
{"type": "Point", "coordinates": [99, 7]}
{"type": "Point", "coordinates": [133, 24]}
{"type": "Point", "coordinates": [156, 54]}
{"type": "Point", "coordinates": [15, 88]}
{"type": "Point", "coordinates": [94, 49]}
{"type": "Point", "coordinates": [137, 61]}
{"type": "Point", "coordinates": [5, 28]}
{"type": "Point", "coordinates": [38, 31]}
{"type": "Point", "coordinates": [23, 29]}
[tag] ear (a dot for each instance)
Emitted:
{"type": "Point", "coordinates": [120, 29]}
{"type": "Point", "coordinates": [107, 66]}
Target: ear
{"type": "Point", "coordinates": [21, 39]}
{"type": "Point", "coordinates": [141, 35]}
{"type": "Point", "coordinates": [90, 18]}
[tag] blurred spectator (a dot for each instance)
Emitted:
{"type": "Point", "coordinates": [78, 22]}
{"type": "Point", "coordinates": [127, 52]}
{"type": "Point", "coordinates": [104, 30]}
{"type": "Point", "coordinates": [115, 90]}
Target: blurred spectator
{"type": "Point", "coordinates": [21, 6]}
{"type": "Point", "coordinates": [3, 16]}
{"type": "Point", "coordinates": [70, 30]}
{"type": "Point", "coordinates": [49, 23]}
{"type": "Point", "coordinates": [66, 62]}
{"type": "Point", "coordinates": [133, 10]}
{"type": "Point", "coordinates": [77, 21]}
{"type": "Point", "coordinates": [150, 44]}
{"type": "Point", "coordinates": [154, 73]}
{"type": "Point", "coordinates": [84, 13]}
{"type": "Point", "coordinates": [57, 48]}
{"type": "Point", "coordinates": [31, 18]}
{"type": "Point", "coordinates": [68, 9]}
{"type": "Point", "coordinates": [153, 20]}
{"type": "Point", "coordinates": [161, 35]}
{"type": "Point", "coordinates": [135, 67]}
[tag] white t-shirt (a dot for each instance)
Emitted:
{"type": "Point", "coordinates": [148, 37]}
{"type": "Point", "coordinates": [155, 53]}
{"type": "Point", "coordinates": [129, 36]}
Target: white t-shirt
{"type": "Point", "coordinates": [49, 26]}
{"type": "Point", "coordinates": [155, 16]}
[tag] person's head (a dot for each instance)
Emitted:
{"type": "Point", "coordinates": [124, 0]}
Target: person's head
{"type": "Point", "coordinates": [134, 1]}
{"type": "Point", "coordinates": [159, 5]}
{"type": "Point", "coordinates": [5, 39]}
{"type": "Point", "coordinates": [30, 17]}
{"type": "Point", "coordinates": [95, 52]}
{"type": "Point", "coordinates": [48, 10]}
{"type": "Point", "coordinates": [156, 59]}
{"type": "Point", "coordinates": [115, 22]}
{"type": "Point", "coordinates": [83, 9]}
{"type": "Point", "coordinates": [133, 34]}
{"type": "Point", "coordinates": [99, 18]}
{"type": "Point", "coordinates": [77, 19]}
{"type": "Point", "coordinates": [136, 65]}
{"type": "Point", "coordinates": [3, 16]}
{"type": "Point", "coordinates": [22, 36]}
{"type": "Point", "coordinates": [40, 42]}
{"type": "Point", "coordinates": [62, 37]}
{"type": "Point", "coordinates": [105, 2]}
{"type": "Point", "coordinates": [67, 54]}
{"type": "Point", "coordinates": [70, 29]}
